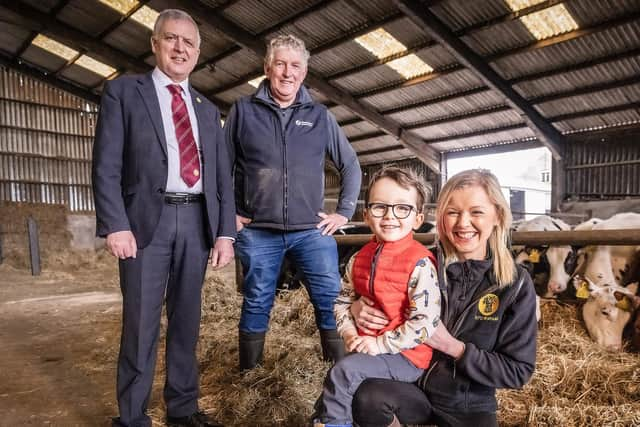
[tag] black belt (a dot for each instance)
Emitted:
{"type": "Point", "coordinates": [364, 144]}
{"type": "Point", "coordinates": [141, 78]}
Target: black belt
{"type": "Point", "coordinates": [182, 198]}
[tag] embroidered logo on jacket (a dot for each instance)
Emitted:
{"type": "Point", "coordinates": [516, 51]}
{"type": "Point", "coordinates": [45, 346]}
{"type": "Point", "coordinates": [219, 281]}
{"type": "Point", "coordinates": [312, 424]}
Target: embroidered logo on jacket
{"type": "Point", "coordinates": [488, 304]}
{"type": "Point", "coordinates": [303, 123]}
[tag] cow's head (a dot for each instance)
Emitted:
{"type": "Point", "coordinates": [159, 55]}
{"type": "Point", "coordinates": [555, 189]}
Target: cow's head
{"type": "Point", "coordinates": [555, 264]}
{"type": "Point", "coordinates": [606, 311]}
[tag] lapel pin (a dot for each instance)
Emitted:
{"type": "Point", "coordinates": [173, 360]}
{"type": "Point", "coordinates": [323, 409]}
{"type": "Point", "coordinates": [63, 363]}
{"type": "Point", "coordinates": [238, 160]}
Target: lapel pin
{"type": "Point", "coordinates": [198, 99]}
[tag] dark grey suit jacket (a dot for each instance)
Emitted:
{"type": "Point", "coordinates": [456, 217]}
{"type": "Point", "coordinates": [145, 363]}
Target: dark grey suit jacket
{"type": "Point", "coordinates": [130, 162]}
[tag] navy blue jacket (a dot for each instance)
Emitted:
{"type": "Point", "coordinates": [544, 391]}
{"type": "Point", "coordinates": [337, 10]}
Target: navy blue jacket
{"type": "Point", "coordinates": [130, 162]}
{"type": "Point", "coordinates": [279, 163]}
{"type": "Point", "coordinates": [498, 327]}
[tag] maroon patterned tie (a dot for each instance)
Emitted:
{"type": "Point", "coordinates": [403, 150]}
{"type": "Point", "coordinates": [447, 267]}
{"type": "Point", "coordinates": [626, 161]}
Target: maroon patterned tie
{"type": "Point", "coordinates": [189, 159]}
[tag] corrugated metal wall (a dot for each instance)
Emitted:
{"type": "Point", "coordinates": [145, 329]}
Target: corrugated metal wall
{"type": "Point", "coordinates": [603, 167]}
{"type": "Point", "coordinates": [46, 137]}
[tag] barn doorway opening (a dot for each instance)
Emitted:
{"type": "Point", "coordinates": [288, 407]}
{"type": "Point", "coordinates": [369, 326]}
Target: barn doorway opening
{"type": "Point", "coordinates": [525, 176]}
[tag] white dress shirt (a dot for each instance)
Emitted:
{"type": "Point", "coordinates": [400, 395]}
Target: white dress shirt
{"type": "Point", "coordinates": [175, 184]}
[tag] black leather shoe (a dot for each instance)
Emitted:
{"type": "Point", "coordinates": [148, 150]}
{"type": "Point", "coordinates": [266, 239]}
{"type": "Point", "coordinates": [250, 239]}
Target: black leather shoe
{"type": "Point", "coordinates": [197, 419]}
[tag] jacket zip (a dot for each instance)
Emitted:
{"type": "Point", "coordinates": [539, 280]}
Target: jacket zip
{"type": "Point", "coordinates": [374, 264]}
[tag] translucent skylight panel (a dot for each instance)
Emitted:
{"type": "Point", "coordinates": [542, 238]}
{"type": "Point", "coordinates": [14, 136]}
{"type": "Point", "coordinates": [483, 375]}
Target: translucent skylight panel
{"type": "Point", "coordinates": [517, 5]}
{"type": "Point", "coordinates": [54, 47]}
{"type": "Point", "coordinates": [380, 43]}
{"type": "Point", "coordinates": [256, 82]}
{"type": "Point", "coordinates": [96, 66]}
{"type": "Point", "coordinates": [410, 66]}
{"type": "Point", "coordinates": [146, 16]}
{"type": "Point", "coordinates": [549, 22]}
{"type": "Point", "coordinates": [122, 6]}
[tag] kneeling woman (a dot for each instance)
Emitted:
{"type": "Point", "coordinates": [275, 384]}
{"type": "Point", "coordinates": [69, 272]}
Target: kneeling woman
{"type": "Point", "coordinates": [487, 338]}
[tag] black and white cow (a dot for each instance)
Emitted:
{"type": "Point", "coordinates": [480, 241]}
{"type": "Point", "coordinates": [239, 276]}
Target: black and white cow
{"type": "Point", "coordinates": [604, 284]}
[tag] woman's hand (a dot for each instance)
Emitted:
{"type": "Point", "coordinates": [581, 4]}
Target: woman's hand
{"type": "Point", "coordinates": [368, 318]}
{"type": "Point", "coordinates": [361, 344]}
{"type": "Point", "coordinates": [443, 341]}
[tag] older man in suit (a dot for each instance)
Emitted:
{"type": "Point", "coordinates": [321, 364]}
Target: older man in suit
{"type": "Point", "coordinates": [164, 202]}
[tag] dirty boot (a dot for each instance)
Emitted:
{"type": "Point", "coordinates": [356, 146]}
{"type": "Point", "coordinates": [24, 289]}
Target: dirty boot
{"type": "Point", "coordinates": [332, 345]}
{"type": "Point", "coordinates": [251, 345]}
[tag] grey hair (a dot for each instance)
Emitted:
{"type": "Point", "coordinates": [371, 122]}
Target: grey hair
{"type": "Point", "coordinates": [174, 15]}
{"type": "Point", "coordinates": [286, 41]}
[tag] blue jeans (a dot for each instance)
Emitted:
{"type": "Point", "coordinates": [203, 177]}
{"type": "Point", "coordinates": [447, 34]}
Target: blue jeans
{"type": "Point", "coordinates": [261, 252]}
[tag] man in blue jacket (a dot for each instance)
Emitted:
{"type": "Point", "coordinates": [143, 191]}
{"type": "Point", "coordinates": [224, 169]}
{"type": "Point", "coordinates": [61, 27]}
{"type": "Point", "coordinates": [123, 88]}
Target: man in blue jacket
{"type": "Point", "coordinates": [278, 139]}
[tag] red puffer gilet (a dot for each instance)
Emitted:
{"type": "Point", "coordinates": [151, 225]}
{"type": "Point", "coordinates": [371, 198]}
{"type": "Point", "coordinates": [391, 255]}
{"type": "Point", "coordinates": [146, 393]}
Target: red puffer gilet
{"type": "Point", "coordinates": [381, 272]}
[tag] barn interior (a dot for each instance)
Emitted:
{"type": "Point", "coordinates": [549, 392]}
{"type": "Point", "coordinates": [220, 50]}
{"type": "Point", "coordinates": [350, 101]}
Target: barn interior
{"type": "Point", "coordinates": [411, 82]}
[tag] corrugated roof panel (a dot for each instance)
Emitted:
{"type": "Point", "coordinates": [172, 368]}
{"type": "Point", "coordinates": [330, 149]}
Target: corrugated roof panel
{"type": "Point", "coordinates": [591, 46]}
{"type": "Point", "coordinates": [380, 75]}
{"type": "Point", "coordinates": [600, 121]}
{"type": "Point", "coordinates": [446, 84]}
{"type": "Point", "coordinates": [90, 17]}
{"type": "Point", "coordinates": [342, 113]}
{"type": "Point", "coordinates": [213, 41]}
{"type": "Point", "coordinates": [232, 95]}
{"type": "Point", "coordinates": [360, 128]}
{"type": "Point", "coordinates": [42, 58]}
{"type": "Point", "coordinates": [215, 3]}
{"type": "Point", "coordinates": [458, 14]}
{"type": "Point", "coordinates": [81, 75]}
{"type": "Point", "coordinates": [205, 78]}
{"type": "Point", "coordinates": [43, 5]}
{"type": "Point", "coordinates": [587, 12]}
{"type": "Point", "coordinates": [470, 124]}
{"type": "Point", "coordinates": [131, 34]}
{"type": "Point", "coordinates": [437, 56]}
{"type": "Point", "coordinates": [457, 106]}
{"type": "Point", "coordinates": [499, 38]}
{"type": "Point", "coordinates": [603, 73]}
{"type": "Point", "coordinates": [386, 157]}
{"type": "Point", "coordinates": [372, 77]}
{"type": "Point", "coordinates": [237, 65]}
{"type": "Point", "coordinates": [374, 143]}
{"type": "Point", "coordinates": [11, 36]}
{"type": "Point", "coordinates": [256, 15]}
{"type": "Point", "coordinates": [346, 55]}
{"type": "Point", "coordinates": [593, 101]}
{"type": "Point", "coordinates": [406, 32]}
{"type": "Point", "coordinates": [483, 140]}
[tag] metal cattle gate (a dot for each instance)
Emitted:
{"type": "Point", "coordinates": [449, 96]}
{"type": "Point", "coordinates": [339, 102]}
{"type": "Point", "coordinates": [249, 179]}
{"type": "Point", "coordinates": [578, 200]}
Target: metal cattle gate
{"type": "Point", "coordinates": [628, 237]}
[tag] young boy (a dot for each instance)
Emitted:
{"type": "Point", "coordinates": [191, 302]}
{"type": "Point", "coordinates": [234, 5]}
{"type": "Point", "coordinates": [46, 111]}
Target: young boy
{"type": "Point", "coordinates": [397, 273]}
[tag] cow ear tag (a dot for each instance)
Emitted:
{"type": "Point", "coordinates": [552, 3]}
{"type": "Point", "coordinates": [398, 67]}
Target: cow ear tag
{"type": "Point", "coordinates": [534, 256]}
{"type": "Point", "coordinates": [624, 304]}
{"type": "Point", "coordinates": [583, 290]}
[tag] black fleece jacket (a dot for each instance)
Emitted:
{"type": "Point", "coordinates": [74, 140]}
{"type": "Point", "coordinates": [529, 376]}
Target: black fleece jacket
{"type": "Point", "coordinates": [498, 327]}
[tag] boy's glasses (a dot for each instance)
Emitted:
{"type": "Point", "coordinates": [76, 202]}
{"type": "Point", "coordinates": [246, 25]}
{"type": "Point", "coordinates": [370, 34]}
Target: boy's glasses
{"type": "Point", "coordinates": [400, 210]}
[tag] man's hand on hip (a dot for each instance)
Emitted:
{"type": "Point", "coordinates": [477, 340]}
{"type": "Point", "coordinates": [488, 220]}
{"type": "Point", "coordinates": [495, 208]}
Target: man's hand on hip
{"type": "Point", "coordinates": [241, 221]}
{"type": "Point", "coordinates": [122, 244]}
{"type": "Point", "coordinates": [221, 254]}
{"type": "Point", "coordinates": [330, 222]}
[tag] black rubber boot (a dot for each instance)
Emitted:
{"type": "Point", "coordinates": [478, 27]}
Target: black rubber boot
{"type": "Point", "coordinates": [332, 345]}
{"type": "Point", "coordinates": [251, 345]}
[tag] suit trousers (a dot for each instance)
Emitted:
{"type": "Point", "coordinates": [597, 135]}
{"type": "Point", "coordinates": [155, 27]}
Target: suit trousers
{"type": "Point", "coordinates": [170, 268]}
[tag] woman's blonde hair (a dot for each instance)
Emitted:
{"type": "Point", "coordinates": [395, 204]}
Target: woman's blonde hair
{"type": "Point", "coordinates": [503, 264]}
